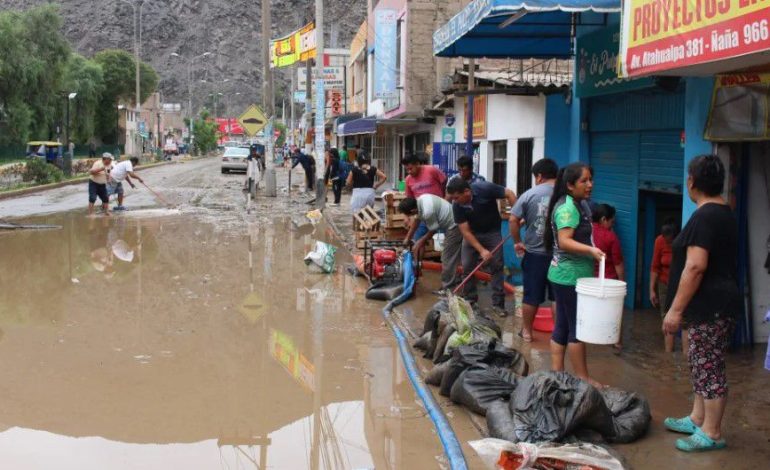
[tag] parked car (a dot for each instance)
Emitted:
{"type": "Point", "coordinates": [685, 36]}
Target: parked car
{"type": "Point", "coordinates": [235, 159]}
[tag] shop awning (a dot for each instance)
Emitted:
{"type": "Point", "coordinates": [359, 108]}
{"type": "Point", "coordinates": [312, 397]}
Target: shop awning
{"type": "Point", "coordinates": [366, 125]}
{"type": "Point", "coordinates": [515, 28]}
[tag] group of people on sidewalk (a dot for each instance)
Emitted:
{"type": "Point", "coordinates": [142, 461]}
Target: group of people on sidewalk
{"type": "Point", "coordinates": [693, 278]}
{"type": "Point", "coordinates": [106, 179]}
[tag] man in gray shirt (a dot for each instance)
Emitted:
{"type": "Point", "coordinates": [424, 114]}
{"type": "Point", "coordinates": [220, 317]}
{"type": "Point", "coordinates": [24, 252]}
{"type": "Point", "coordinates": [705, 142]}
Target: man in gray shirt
{"type": "Point", "coordinates": [532, 210]}
{"type": "Point", "coordinates": [437, 215]}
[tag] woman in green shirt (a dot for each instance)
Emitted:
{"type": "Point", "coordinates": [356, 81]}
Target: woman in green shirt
{"type": "Point", "coordinates": [570, 239]}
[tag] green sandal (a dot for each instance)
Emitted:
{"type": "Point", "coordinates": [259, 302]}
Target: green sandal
{"type": "Point", "coordinates": [681, 425]}
{"type": "Point", "coordinates": [699, 442]}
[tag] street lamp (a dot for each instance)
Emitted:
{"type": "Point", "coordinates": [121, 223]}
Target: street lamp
{"type": "Point", "coordinates": [67, 163]}
{"type": "Point", "coordinates": [189, 89]}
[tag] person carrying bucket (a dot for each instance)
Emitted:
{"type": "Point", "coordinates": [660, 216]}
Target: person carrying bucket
{"type": "Point", "coordinates": [570, 239]}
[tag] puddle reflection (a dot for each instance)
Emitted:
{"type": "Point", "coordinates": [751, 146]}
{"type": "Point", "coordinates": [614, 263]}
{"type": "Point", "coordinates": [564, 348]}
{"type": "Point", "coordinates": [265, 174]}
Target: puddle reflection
{"type": "Point", "coordinates": [168, 343]}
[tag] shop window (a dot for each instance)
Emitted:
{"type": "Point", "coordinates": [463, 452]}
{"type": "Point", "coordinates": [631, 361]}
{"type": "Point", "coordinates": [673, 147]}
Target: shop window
{"type": "Point", "coordinates": [499, 162]}
{"type": "Point", "coordinates": [524, 165]}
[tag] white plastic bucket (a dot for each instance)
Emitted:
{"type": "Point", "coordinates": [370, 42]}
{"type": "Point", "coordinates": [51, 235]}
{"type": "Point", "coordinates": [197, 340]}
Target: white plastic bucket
{"type": "Point", "coordinates": [599, 309]}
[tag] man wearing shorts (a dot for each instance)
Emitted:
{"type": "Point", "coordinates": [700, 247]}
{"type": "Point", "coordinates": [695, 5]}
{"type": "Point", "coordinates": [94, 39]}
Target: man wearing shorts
{"type": "Point", "coordinates": [122, 171]}
{"type": "Point", "coordinates": [97, 183]}
{"type": "Point", "coordinates": [531, 210]}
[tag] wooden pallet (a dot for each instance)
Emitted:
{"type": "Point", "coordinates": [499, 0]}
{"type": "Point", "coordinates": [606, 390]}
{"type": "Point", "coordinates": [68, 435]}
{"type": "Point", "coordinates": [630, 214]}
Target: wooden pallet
{"type": "Point", "coordinates": [367, 220]}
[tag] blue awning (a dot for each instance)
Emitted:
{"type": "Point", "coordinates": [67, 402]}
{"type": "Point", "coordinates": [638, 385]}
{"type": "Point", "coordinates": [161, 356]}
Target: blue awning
{"type": "Point", "coordinates": [366, 125]}
{"type": "Point", "coordinates": [515, 28]}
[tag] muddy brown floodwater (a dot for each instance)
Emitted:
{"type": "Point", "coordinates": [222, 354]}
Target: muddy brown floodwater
{"type": "Point", "coordinates": [152, 341]}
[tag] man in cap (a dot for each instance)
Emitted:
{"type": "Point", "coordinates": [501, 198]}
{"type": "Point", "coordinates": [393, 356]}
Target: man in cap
{"type": "Point", "coordinates": [122, 171]}
{"type": "Point", "coordinates": [97, 183]}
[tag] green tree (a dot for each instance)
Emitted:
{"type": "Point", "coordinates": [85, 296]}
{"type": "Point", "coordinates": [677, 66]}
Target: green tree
{"type": "Point", "coordinates": [85, 78]}
{"type": "Point", "coordinates": [206, 132]}
{"type": "Point", "coordinates": [118, 67]}
{"type": "Point", "coordinates": [34, 54]}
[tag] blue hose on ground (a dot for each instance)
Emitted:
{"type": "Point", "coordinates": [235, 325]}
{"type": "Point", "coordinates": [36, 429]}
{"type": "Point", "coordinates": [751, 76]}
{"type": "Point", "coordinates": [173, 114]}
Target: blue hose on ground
{"type": "Point", "coordinates": [446, 434]}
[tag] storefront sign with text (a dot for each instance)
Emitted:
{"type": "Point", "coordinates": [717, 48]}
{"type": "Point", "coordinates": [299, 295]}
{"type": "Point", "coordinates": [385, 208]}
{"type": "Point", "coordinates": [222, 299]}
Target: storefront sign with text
{"type": "Point", "coordinates": [661, 35]}
{"type": "Point", "coordinates": [479, 117]}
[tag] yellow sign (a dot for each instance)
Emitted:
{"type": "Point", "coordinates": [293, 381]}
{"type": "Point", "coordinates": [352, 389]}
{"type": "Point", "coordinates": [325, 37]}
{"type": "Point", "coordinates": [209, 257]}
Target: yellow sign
{"type": "Point", "coordinates": [298, 46]}
{"type": "Point", "coordinates": [286, 353]}
{"type": "Point", "coordinates": [253, 120]}
{"type": "Point", "coordinates": [252, 307]}
{"type": "Point", "coordinates": [661, 35]}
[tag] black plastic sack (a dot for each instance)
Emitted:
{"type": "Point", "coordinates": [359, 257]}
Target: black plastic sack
{"type": "Point", "coordinates": [630, 414]}
{"type": "Point", "coordinates": [549, 406]}
{"type": "Point", "coordinates": [431, 320]}
{"type": "Point", "coordinates": [436, 374]}
{"type": "Point", "coordinates": [500, 421]}
{"type": "Point", "coordinates": [462, 358]}
{"type": "Point", "coordinates": [484, 320]}
{"type": "Point", "coordinates": [508, 358]}
{"type": "Point", "coordinates": [438, 353]}
{"type": "Point", "coordinates": [480, 385]}
{"type": "Point", "coordinates": [384, 291]}
{"type": "Point", "coordinates": [423, 342]}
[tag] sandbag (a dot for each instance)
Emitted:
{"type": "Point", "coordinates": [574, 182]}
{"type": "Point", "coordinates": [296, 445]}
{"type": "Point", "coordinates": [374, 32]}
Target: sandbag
{"type": "Point", "coordinates": [630, 414]}
{"type": "Point", "coordinates": [423, 342]}
{"type": "Point", "coordinates": [434, 314]}
{"type": "Point", "coordinates": [549, 406]}
{"type": "Point", "coordinates": [322, 257]}
{"type": "Point", "coordinates": [384, 290]}
{"type": "Point", "coordinates": [438, 353]}
{"type": "Point", "coordinates": [436, 374]}
{"type": "Point", "coordinates": [498, 454]}
{"type": "Point", "coordinates": [500, 421]}
{"type": "Point", "coordinates": [481, 384]}
{"type": "Point", "coordinates": [462, 358]}
{"type": "Point", "coordinates": [508, 358]}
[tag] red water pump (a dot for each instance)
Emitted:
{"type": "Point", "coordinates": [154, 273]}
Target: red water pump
{"type": "Point", "coordinates": [385, 264]}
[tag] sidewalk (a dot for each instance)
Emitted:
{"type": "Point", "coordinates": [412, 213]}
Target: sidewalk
{"type": "Point", "coordinates": [642, 366]}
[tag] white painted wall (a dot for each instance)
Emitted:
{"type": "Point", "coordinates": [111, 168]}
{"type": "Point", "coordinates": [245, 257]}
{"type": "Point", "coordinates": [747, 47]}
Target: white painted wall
{"type": "Point", "coordinates": [759, 230]}
{"type": "Point", "coordinates": [509, 118]}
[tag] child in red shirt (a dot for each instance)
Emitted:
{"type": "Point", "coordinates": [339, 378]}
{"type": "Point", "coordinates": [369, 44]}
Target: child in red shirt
{"type": "Point", "coordinates": [607, 241]}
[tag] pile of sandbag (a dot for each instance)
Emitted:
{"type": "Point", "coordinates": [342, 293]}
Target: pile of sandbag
{"type": "Point", "coordinates": [472, 367]}
{"type": "Point", "coordinates": [475, 370]}
{"type": "Point", "coordinates": [557, 406]}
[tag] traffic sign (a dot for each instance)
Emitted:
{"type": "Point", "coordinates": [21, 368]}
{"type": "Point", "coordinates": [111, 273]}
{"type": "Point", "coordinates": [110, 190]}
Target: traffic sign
{"type": "Point", "coordinates": [253, 120]}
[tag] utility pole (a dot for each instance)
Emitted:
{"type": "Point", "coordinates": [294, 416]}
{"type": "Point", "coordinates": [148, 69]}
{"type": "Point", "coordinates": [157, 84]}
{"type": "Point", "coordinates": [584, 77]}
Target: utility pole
{"type": "Point", "coordinates": [294, 71]}
{"type": "Point", "coordinates": [470, 103]}
{"type": "Point", "coordinates": [268, 101]}
{"type": "Point", "coordinates": [320, 137]}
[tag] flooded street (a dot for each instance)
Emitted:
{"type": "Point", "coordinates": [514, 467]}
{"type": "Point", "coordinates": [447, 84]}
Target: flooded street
{"type": "Point", "coordinates": [194, 336]}
{"type": "Point", "coordinates": [160, 339]}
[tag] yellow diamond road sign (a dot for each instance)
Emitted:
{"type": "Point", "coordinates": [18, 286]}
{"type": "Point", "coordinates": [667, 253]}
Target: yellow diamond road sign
{"type": "Point", "coordinates": [253, 120]}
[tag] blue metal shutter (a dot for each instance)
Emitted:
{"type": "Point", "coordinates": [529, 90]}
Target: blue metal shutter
{"type": "Point", "coordinates": [615, 159]}
{"type": "Point", "coordinates": [661, 161]}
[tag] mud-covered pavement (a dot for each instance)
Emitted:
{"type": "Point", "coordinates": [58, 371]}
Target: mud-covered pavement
{"type": "Point", "coordinates": [195, 337]}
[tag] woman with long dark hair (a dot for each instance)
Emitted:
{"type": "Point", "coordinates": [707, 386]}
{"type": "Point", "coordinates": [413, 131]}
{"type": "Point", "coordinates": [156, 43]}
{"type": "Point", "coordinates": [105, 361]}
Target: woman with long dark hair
{"type": "Point", "coordinates": [704, 296]}
{"type": "Point", "coordinates": [570, 239]}
{"type": "Point", "coordinates": [364, 179]}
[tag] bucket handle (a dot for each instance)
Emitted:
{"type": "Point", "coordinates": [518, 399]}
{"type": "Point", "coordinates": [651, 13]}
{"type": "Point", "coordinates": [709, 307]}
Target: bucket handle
{"type": "Point", "coordinates": [602, 266]}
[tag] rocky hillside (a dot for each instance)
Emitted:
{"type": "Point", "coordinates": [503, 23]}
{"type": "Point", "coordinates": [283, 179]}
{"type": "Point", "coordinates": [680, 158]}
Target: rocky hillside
{"type": "Point", "coordinates": [229, 29]}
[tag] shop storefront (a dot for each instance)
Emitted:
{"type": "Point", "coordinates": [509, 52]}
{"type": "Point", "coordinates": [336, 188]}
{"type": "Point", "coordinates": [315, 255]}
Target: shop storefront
{"type": "Point", "coordinates": [724, 55]}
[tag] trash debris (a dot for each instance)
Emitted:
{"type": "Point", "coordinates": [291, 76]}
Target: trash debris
{"type": "Point", "coordinates": [499, 454]}
{"type": "Point", "coordinates": [314, 216]}
{"type": "Point", "coordinates": [322, 257]}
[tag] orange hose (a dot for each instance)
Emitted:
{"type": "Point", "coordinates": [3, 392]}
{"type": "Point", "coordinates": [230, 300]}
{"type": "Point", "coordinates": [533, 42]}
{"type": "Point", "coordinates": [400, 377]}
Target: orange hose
{"type": "Point", "coordinates": [481, 276]}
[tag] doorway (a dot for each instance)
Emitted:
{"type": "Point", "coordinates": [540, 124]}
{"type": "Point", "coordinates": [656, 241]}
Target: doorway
{"type": "Point", "coordinates": [655, 208]}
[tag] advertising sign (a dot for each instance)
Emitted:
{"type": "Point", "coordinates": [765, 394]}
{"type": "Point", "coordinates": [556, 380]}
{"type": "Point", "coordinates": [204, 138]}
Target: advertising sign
{"type": "Point", "coordinates": [479, 117]}
{"type": "Point", "coordinates": [448, 135]}
{"type": "Point", "coordinates": [385, 67]}
{"type": "Point", "coordinates": [300, 96]}
{"type": "Point", "coordinates": [334, 77]}
{"type": "Point", "coordinates": [335, 102]}
{"type": "Point", "coordinates": [298, 46]}
{"type": "Point", "coordinates": [287, 354]}
{"type": "Point", "coordinates": [597, 65]}
{"type": "Point", "coordinates": [659, 35]}
{"type": "Point", "coordinates": [320, 117]}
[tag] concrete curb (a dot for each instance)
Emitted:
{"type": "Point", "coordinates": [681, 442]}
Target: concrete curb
{"type": "Point", "coordinates": [45, 187]}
